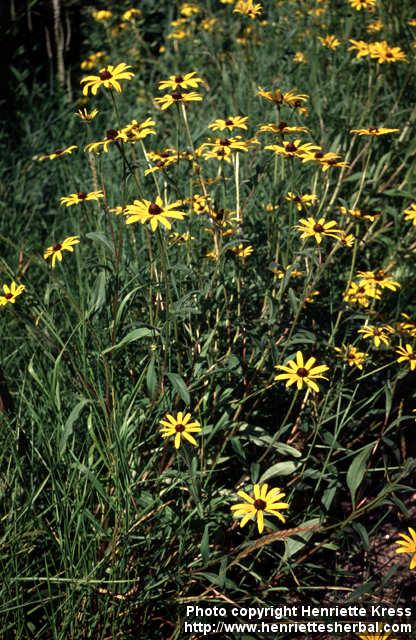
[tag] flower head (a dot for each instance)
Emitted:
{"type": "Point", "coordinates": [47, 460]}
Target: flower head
{"type": "Point", "coordinates": [408, 545]}
{"type": "Point", "coordinates": [59, 153]}
{"type": "Point", "coordinates": [56, 250]}
{"type": "Point", "coordinates": [153, 212]}
{"type": "Point", "coordinates": [298, 371]}
{"type": "Point", "coordinates": [93, 60]}
{"type": "Point", "coordinates": [248, 8]}
{"type": "Point", "coordinates": [374, 131]}
{"type": "Point", "coordinates": [330, 42]}
{"type": "Point", "coordinates": [177, 97]}
{"type": "Point", "coordinates": [302, 201]}
{"type": "Point", "coordinates": [264, 502]}
{"type": "Point", "coordinates": [410, 213]}
{"type": "Point", "coordinates": [10, 293]}
{"type": "Point", "coordinates": [379, 335]}
{"type": "Point", "coordinates": [235, 122]}
{"type": "Point", "coordinates": [406, 354]}
{"type": "Point", "coordinates": [318, 229]}
{"type": "Point", "coordinates": [383, 52]}
{"type": "Point", "coordinates": [81, 197]}
{"type": "Point", "coordinates": [179, 427]}
{"type": "Point", "coordinates": [86, 116]}
{"type": "Point", "coordinates": [363, 4]}
{"type": "Point", "coordinates": [378, 279]}
{"type": "Point", "coordinates": [351, 355]}
{"type": "Point", "coordinates": [108, 78]}
{"type": "Point", "coordinates": [179, 81]}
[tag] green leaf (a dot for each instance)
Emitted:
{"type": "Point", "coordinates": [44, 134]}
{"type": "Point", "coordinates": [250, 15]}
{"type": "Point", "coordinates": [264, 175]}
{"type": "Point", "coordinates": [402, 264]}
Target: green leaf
{"type": "Point", "coordinates": [179, 385]}
{"type": "Point", "coordinates": [280, 469]}
{"type": "Point", "coordinates": [98, 297]}
{"type": "Point", "coordinates": [69, 424]}
{"type": "Point", "coordinates": [101, 238]}
{"type": "Point", "coordinates": [132, 336]}
{"type": "Point", "coordinates": [151, 377]}
{"type": "Point", "coordinates": [356, 471]}
{"type": "Point", "coordinates": [204, 547]}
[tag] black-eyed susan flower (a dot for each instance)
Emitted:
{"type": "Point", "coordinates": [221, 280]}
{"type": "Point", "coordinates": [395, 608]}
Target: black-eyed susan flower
{"type": "Point", "coordinates": [219, 153]}
{"type": "Point", "coordinates": [282, 127]}
{"type": "Point", "coordinates": [93, 60]}
{"type": "Point", "coordinates": [325, 160]}
{"type": "Point", "coordinates": [318, 229]}
{"type": "Point", "coordinates": [375, 26]}
{"type": "Point", "coordinates": [235, 143]}
{"type": "Point", "coordinates": [80, 197]}
{"type": "Point", "coordinates": [407, 325]}
{"type": "Point", "coordinates": [177, 97]}
{"type": "Point", "coordinates": [131, 14]}
{"type": "Point", "coordinates": [242, 250]}
{"type": "Point", "coordinates": [101, 15]}
{"type": "Point", "coordinates": [248, 8]}
{"type": "Point", "coordinates": [200, 203]}
{"type": "Point", "coordinates": [112, 136]}
{"type": "Point", "coordinates": [293, 149]}
{"type": "Point", "coordinates": [180, 427]}
{"type": "Point", "coordinates": [299, 372]}
{"type": "Point", "coordinates": [59, 153]}
{"type": "Point", "coordinates": [410, 213]}
{"type": "Point", "coordinates": [10, 293]}
{"type": "Point", "coordinates": [378, 279]}
{"type": "Point", "coordinates": [329, 42]}
{"type": "Point", "coordinates": [55, 251]}
{"type": "Point", "coordinates": [374, 131]}
{"type": "Point", "coordinates": [361, 47]}
{"type": "Point", "coordinates": [108, 78]}
{"type": "Point", "coordinates": [179, 81]}
{"type": "Point", "coordinates": [359, 213]}
{"type": "Point", "coordinates": [407, 544]}
{"type": "Point", "coordinates": [406, 354]}
{"type": "Point", "coordinates": [347, 239]}
{"type": "Point", "coordinates": [363, 4]}
{"type": "Point", "coordinates": [189, 9]}
{"type": "Point", "coordinates": [362, 294]}
{"type": "Point", "coordinates": [351, 355]}
{"type": "Point", "coordinates": [155, 213]}
{"type": "Point", "coordinates": [135, 131]}
{"type": "Point", "coordinates": [289, 98]}
{"type": "Point", "coordinates": [263, 502]}
{"type": "Point", "coordinates": [162, 160]}
{"type": "Point", "coordinates": [300, 58]}
{"type": "Point", "coordinates": [85, 115]}
{"type": "Point", "coordinates": [383, 52]}
{"type": "Point", "coordinates": [379, 335]}
{"type": "Point", "coordinates": [234, 122]}
{"type": "Point", "coordinates": [302, 201]}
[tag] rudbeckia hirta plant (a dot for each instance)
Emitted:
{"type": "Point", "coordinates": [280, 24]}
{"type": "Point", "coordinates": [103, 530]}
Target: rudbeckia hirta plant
{"type": "Point", "coordinates": [406, 354]}
{"type": "Point", "coordinates": [407, 544]}
{"type": "Point", "coordinates": [180, 427]}
{"type": "Point", "coordinates": [318, 229]}
{"type": "Point", "coordinates": [81, 197]}
{"type": "Point", "coordinates": [263, 502]}
{"type": "Point", "coordinates": [55, 251]}
{"type": "Point", "coordinates": [154, 212]}
{"type": "Point", "coordinates": [177, 97]}
{"type": "Point", "coordinates": [10, 293]}
{"type": "Point", "coordinates": [379, 335]}
{"type": "Point", "coordinates": [108, 78]}
{"type": "Point", "coordinates": [179, 81]}
{"type": "Point", "coordinates": [299, 372]}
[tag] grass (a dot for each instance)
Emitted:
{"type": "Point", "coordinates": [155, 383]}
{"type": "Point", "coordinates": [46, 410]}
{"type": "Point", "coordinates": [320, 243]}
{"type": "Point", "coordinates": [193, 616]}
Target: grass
{"type": "Point", "coordinates": [107, 528]}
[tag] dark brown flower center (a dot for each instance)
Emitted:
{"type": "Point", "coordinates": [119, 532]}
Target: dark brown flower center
{"type": "Point", "coordinates": [302, 372]}
{"type": "Point", "coordinates": [260, 505]}
{"type": "Point", "coordinates": [154, 209]}
{"type": "Point", "coordinates": [377, 332]}
{"type": "Point", "coordinates": [179, 428]}
{"type": "Point", "coordinates": [8, 296]}
{"type": "Point", "coordinates": [379, 275]}
{"type": "Point", "coordinates": [224, 142]}
{"type": "Point", "coordinates": [111, 134]}
{"type": "Point", "coordinates": [178, 79]}
{"type": "Point", "coordinates": [177, 95]}
{"type": "Point", "coordinates": [282, 126]}
{"type": "Point", "coordinates": [81, 195]}
{"type": "Point", "coordinates": [291, 147]}
{"type": "Point", "coordinates": [373, 129]}
{"type": "Point", "coordinates": [59, 151]}
{"type": "Point", "coordinates": [389, 55]}
{"type": "Point", "coordinates": [105, 75]}
{"type": "Point", "coordinates": [318, 228]}
{"type": "Point", "coordinates": [57, 247]}
{"type": "Point", "coordinates": [220, 152]}
{"type": "Point", "coordinates": [229, 122]}
{"type": "Point", "coordinates": [332, 161]}
{"type": "Point", "coordinates": [297, 103]}
{"type": "Point", "coordinates": [319, 154]}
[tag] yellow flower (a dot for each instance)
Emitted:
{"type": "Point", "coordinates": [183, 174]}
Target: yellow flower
{"type": "Point", "coordinates": [86, 116]}
{"type": "Point", "coordinates": [56, 250]}
{"type": "Point", "coordinates": [102, 15]}
{"type": "Point", "coordinates": [294, 148]}
{"type": "Point", "coordinates": [362, 48]}
{"type": "Point", "coordinates": [299, 58]}
{"type": "Point", "coordinates": [406, 354]}
{"type": "Point", "coordinates": [360, 294]}
{"type": "Point", "coordinates": [162, 160]}
{"type": "Point", "coordinates": [131, 14]}
{"type": "Point", "coordinates": [10, 293]}
{"type": "Point", "coordinates": [135, 131]}
{"type": "Point", "coordinates": [412, 22]}
{"type": "Point", "coordinates": [248, 8]}
{"type": "Point", "coordinates": [378, 636]}
{"type": "Point", "coordinates": [242, 250]}
{"type": "Point", "coordinates": [359, 213]}
{"type": "Point", "coordinates": [303, 201]}
{"type": "Point", "coordinates": [264, 502]}
{"type": "Point", "coordinates": [187, 81]}
{"type": "Point", "coordinates": [177, 97]}
{"type": "Point", "coordinates": [352, 356]}
{"type": "Point", "coordinates": [234, 144]}
{"type": "Point", "coordinates": [408, 545]}
{"type": "Point", "coordinates": [374, 131]}
{"type": "Point", "coordinates": [177, 238]}
{"type": "Point", "coordinates": [180, 427]}
{"type": "Point", "coordinates": [108, 78]}
{"type": "Point", "coordinates": [407, 326]}
{"type": "Point", "coordinates": [363, 4]}
{"type": "Point", "coordinates": [208, 24]}
{"type": "Point", "coordinates": [187, 9]}
{"type": "Point", "coordinates": [378, 279]}
{"type": "Point", "coordinates": [112, 136]}
{"type": "Point", "coordinates": [383, 52]}
{"type": "Point", "coordinates": [410, 213]}
{"type": "Point", "coordinates": [290, 98]}
{"type": "Point", "coordinates": [379, 335]}
{"type": "Point", "coordinates": [325, 160]}
{"type": "Point", "coordinates": [375, 26]}
{"type": "Point", "coordinates": [81, 196]}
{"type": "Point", "coordinates": [93, 60]}
{"type": "Point", "coordinates": [282, 127]}
{"type": "Point", "coordinates": [300, 372]}
{"type": "Point", "coordinates": [347, 239]}
{"type": "Point", "coordinates": [200, 203]}
{"type": "Point", "coordinates": [57, 154]}
{"type": "Point", "coordinates": [330, 42]}
{"type": "Point", "coordinates": [318, 229]}
{"type": "Point", "coordinates": [236, 122]}
{"type": "Point", "coordinates": [154, 212]}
